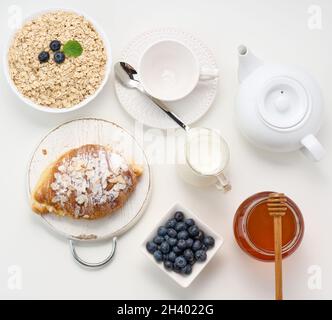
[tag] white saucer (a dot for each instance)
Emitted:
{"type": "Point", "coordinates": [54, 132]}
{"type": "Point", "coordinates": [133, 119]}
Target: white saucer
{"type": "Point", "coordinates": [189, 109]}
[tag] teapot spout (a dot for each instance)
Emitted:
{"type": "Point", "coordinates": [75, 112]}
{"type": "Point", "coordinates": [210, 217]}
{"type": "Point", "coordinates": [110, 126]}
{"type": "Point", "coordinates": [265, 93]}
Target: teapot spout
{"type": "Point", "coordinates": [247, 62]}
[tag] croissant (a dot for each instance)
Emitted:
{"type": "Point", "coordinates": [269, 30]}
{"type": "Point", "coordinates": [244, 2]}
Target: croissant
{"type": "Point", "coordinates": [88, 182]}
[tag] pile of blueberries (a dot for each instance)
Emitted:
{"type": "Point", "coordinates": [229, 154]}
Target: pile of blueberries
{"type": "Point", "coordinates": [179, 244]}
{"type": "Point", "coordinates": [58, 56]}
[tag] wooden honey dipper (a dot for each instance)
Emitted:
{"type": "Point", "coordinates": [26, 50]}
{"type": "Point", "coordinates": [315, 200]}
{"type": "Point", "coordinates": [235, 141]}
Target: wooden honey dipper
{"type": "Point", "coordinates": [277, 208]}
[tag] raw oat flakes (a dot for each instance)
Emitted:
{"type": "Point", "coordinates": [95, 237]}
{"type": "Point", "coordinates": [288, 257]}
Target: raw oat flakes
{"type": "Point", "coordinates": [50, 84]}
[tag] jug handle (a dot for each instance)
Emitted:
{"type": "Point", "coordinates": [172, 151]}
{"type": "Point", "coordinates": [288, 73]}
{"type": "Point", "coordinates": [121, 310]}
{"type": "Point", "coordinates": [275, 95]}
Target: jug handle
{"type": "Point", "coordinates": [223, 183]}
{"type": "Point", "coordinates": [312, 147]}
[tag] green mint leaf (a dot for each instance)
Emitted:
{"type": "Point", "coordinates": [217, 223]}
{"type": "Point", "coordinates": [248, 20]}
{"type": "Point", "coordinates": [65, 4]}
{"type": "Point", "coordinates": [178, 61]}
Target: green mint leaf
{"type": "Point", "coordinates": [72, 48]}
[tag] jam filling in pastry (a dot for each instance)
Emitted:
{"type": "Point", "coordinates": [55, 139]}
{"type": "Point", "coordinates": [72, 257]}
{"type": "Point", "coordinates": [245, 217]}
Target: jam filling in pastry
{"type": "Point", "coordinates": [88, 182]}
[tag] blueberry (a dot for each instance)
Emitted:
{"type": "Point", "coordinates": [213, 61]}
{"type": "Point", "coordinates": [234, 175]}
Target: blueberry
{"type": "Point", "coordinates": [180, 262]}
{"type": "Point", "coordinates": [162, 231]}
{"type": "Point", "coordinates": [204, 247]}
{"type": "Point", "coordinates": [200, 255]}
{"type": "Point", "coordinates": [165, 257]}
{"type": "Point", "coordinates": [171, 256]}
{"type": "Point", "coordinates": [176, 268]}
{"type": "Point", "coordinates": [166, 237]}
{"type": "Point", "coordinates": [182, 244]}
{"type": "Point", "coordinates": [183, 235]}
{"type": "Point", "coordinates": [189, 222]}
{"type": "Point", "coordinates": [189, 255]}
{"type": "Point", "coordinates": [189, 243]}
{"type": "Point", "coordinates": [193, 231]}
{"type": "Point", "coordinates": [158, 256]}
{"type": "Point", "coordinates": [164, 247]}
{"type": "Point", "coordinates": [158, 240]}
{"type": "Point", "coordinates": [151, 247]}
{"type": "Point", "coordinates": [59, 57]}
{"type": "Point", "coordinates": [168, 265]}
{"type": "Point", "coordinates": [179, 216]}
{"type": "Point", "coordinates": [192, 262]}
{"type": "Point", "coordinates": [187, 269]}
{"type": "Point", "coordinates": [197, 245]}
{"type": "Point", "coordinates": [172, 242]}
{"type": "Point", "coordinates": [180, 226]}
{"type": "Point", "coordinates": [209, 241]}
{"type": "Point", "coordinates": [172, 233]}
{"type": "Point", "coordinates": [171, 223]}
{"type": "Point", "coordinates": [176, 250]}
{"type": "Point", "coordinates": [43, 57]}
{"type": "Point", "coordinates": [55, 45]}
{"type": "Point", "coordinates": [200, 235]}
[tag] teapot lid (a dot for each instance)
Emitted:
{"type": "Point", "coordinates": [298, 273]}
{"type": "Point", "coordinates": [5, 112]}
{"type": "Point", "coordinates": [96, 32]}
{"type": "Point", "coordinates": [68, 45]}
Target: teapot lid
{"type": "Point", "coordinates": [283, 103]}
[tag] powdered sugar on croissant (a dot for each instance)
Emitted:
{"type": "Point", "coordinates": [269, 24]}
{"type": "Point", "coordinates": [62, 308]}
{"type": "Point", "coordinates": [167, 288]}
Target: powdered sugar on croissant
{"type": "Point", "coordinates": [88, 182]}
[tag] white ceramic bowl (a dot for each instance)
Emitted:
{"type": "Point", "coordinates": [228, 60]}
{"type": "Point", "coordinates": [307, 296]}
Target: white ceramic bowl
{"type": "Point", "coordinates": [36, 106]}
{"type": "Point", "coordinates": [184, 280]}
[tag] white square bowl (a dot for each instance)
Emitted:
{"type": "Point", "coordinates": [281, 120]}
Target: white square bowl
{"type": "Point", "coordinates": [184, 280]}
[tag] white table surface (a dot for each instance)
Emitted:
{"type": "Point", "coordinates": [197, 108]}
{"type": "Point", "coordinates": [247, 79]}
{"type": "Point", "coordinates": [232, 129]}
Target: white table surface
{"type": "Point", "coordinates": [276, 30]}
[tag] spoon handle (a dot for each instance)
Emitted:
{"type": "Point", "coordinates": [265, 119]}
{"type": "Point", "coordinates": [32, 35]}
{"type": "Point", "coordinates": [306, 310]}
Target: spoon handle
{"type": "Point", "coordinates": [171, 114]}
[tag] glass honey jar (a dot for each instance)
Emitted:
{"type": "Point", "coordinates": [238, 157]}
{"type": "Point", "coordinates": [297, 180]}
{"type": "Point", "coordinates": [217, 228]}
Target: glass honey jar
{"type": "Point", "coordinates": [253, 228]}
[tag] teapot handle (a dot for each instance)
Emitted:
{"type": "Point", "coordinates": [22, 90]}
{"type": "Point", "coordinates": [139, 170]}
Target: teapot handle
{"type": "Point", "coordinates": [312, 147]}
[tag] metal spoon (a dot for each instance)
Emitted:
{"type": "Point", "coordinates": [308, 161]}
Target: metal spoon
{"type": "Point", "coordinates": [127, 75]}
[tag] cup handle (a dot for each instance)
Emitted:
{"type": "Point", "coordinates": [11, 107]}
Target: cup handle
{"type": "Point", "coordinates": [223, 183]}
{"type": "Point", "coordinates": [312, 147]}
{"type": "Point", "coordinates": [208, 74]}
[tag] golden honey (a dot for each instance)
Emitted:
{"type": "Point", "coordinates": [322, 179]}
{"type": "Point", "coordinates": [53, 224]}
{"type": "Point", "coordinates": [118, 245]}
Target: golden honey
{"type": "Point", "coordinates": [253, 228]}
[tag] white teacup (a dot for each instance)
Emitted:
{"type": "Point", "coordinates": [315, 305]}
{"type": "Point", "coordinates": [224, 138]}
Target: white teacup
{"type": "Point", "coordinates": [206, 158]}
{"type": "Point", "coordinates": [170, 71]}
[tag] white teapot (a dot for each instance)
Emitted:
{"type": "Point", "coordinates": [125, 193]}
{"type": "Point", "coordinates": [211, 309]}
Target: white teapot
{"type": "Point", "coordinates": [279, 108]}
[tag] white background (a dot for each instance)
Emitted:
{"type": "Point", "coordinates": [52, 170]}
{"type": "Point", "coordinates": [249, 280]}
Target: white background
{"type": "Point", "coordinates": [276, 30]}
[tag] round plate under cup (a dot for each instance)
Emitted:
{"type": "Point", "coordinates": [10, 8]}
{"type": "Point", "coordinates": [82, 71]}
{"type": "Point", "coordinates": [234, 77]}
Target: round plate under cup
{"type": "Point", "coordinates": [189, 109]}
{"type": "Point", "coordinates": [284, 103]}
